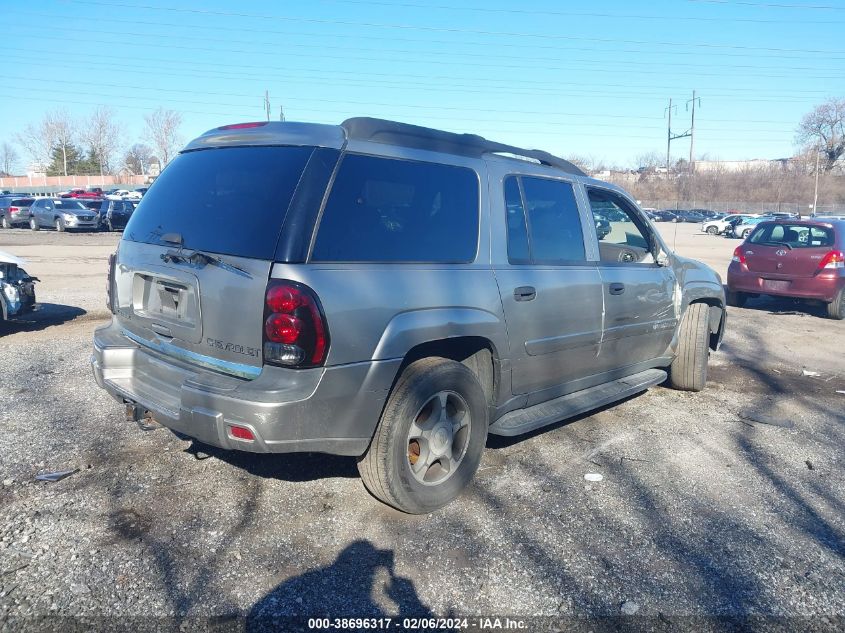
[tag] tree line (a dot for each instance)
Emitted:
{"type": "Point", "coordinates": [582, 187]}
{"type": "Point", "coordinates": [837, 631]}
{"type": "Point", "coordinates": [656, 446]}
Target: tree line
{"type": "Point", "coordinates": [93, 145]}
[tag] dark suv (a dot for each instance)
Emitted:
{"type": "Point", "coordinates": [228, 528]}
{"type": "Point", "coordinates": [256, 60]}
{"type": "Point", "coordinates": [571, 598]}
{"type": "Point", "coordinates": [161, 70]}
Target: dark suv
{"type": "Point", "coordinates": [393, 293]}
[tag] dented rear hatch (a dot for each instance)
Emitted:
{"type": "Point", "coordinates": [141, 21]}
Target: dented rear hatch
{"type": "Point", "coordinates": [192, 268]}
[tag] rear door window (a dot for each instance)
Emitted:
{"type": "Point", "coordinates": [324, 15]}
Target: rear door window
{"type": "Point", "coordinates": [544, 226]}
{"type": "Point", "coordinates": [230, 201]}
{"type": "Point", "coordinates": [390, 210]}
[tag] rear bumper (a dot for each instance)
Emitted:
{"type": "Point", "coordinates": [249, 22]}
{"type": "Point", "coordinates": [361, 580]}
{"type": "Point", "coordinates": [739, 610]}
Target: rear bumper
{"type": "Point", "coordinates": [328, 410]}
{"type": "Point", "coordinates": [821, 287]}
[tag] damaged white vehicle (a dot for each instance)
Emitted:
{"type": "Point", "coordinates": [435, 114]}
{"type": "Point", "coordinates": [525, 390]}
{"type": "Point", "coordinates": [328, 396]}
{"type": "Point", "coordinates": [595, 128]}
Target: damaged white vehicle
{"type": "Point", "coordinates": [17, 288]}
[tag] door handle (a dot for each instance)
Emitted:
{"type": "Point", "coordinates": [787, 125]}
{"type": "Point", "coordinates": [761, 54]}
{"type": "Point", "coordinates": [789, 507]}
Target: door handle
{"type": "Point", "coordinates": [524, 293]}
{"type": "Point", "coordinates": [617, 289]}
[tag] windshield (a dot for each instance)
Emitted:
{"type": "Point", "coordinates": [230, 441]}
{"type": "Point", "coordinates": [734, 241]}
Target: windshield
{"type": "Point", "coordinates": [69, 205]}
{"type": "Point", "coordinates": [230, 201]}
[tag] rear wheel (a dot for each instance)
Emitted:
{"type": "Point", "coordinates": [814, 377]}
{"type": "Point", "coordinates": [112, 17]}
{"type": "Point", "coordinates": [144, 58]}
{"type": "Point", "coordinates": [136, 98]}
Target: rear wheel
{"type": "Point", "coordinates": [736, 299]}
{"type": "Point", "coordinates": [712, 230]}
{"type": "Point", "coordinates": [746, 233]}
{"type": "Point", "coordinates": [688, 372]}
{"type": "Point", "coordinates": [33, 224]}
{"type": "Point", "coordinates": [429, 441]}
{"type": "Point", "coordinates": [5, 223]}
{"type": "Point", "coordinates": [836, 308]}
{"type": "Point", "coordinates": [109, 226]}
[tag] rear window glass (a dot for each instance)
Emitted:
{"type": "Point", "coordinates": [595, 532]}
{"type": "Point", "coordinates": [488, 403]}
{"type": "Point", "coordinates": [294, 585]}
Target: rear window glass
{"type": "Point", "coordinates": [230, 201]}
{"type": "Point", "coordinates": [794, 235]}
{"type": "Point", "coordinates": [389, 210]}
{"type": "Point", "coordinates": [22, 202]}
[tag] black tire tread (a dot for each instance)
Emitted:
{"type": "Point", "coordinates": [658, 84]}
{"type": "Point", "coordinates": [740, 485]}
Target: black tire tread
{"type": "Point", "coordinates": [688, 372]}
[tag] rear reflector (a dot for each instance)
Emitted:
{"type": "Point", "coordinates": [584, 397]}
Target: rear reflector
{"type": "Point", "coordinates": [739, 256]}
{"type": "Point", "coordinates": [834, 259]}
{"type": "Point", "coordinates": [241, 433]}
{"type": "Point", "coordinates": [242, 126]}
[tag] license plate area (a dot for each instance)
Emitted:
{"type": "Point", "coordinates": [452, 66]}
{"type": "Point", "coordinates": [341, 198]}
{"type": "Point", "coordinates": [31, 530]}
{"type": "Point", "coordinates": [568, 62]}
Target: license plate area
{"type": "Point", "coordinates": [777, 285]}
{"type": "Point", "coordinates": [167, 301]}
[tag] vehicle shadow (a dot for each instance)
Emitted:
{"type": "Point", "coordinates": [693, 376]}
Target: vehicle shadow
{"type": "Point", "coordinates": [45, 315]}
{"type": "Point", "coordinates": [293, 467]}
{"type": "Point", "coordinates": [785, 305]}
{"type": "Point", "coordinates": [361, 582]}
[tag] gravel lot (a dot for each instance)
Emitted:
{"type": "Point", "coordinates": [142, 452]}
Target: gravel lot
{"type": "Point", "coordinates": [730, 502]}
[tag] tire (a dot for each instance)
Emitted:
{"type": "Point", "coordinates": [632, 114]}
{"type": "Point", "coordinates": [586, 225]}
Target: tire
{"type": "Point", "coordinates": [387, 467]}
{"type": "Point", "coordinates": [33, 224]}
{"type": "Point", "coordinates": [5, 223]}
{"type": "Point", "coordinates": [688, 372]}
{"type": "Point", "coordinates": [60, 225]}
{"type": "Point", "coordinates": [109, 226]}
{"type": "Point", "coordinates": [836, 308]}
{"type": "Point", "coordinates": [746, 233]}
{"type": "Point", "coordinates": [736, 299]}
{"type": "Point", "coordinates": [712, 230]}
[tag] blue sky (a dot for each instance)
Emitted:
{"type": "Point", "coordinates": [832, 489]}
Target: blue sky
{"type": "Point", "coordinates": [574, 78]}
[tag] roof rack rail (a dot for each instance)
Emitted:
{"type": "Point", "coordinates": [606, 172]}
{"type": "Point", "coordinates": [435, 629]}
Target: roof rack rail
{"type": "Point", "coordinates": [418, 137]}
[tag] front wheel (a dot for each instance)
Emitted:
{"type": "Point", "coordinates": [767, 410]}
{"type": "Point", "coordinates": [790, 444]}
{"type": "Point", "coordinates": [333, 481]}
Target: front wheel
{"type": "Point", "coordinates": [60, 225]}
{"type": "Point", "coordinates": [712, 230]}
{"type": "Point", "coordinates": [33, 224]}
{"type": "Point", "coordinates": [836, 308]}
{"type": "Point", "coordinates": [429, 441]}
{"type": "Point", "coordinates": [688, 372]}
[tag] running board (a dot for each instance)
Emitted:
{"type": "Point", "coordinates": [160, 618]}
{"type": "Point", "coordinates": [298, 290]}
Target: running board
{"type": "Point", "coordinates": [525, 420]}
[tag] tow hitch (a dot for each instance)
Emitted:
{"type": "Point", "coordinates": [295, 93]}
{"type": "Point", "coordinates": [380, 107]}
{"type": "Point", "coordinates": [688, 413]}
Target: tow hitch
{"type": "Point", "coordinates": [141, 416]}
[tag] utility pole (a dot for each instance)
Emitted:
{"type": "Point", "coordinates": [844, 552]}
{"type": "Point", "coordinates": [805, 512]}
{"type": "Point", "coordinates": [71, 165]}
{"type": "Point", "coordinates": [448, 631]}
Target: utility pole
{"type": "Point", "coordinates": [267, 104]}
{"type": "Point", "coordinates": [816, 188]}
{"type": "Point", "coordinates": [671, 137]}
{"type": "Point", "coordinates": [692, 131]}
{"type": "Point", "coordinates": [281, 113]}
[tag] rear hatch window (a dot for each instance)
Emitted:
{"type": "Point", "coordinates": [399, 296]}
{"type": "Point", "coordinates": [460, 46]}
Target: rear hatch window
{"type": "Point", "coordinates": [22, 202]}
{"type": "Point", "coordinates": [229, 201]}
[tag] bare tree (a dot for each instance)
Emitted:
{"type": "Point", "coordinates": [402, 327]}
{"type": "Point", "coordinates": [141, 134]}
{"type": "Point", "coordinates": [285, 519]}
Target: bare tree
{"type": "Point", "coordinates": [56, 130]}
{"type": "Point", "coordinates": [8, 158]}
{"type": "Point", "coordinates": [824, 128]}
{"type": "Point", "coordinates": [102, 134]}
{"type": "Point", "coordinates": [163, 132]}
{"type": "Point", "coordinates": [138, 158]}
{"type": "Point", "coordinates": [63, 130]}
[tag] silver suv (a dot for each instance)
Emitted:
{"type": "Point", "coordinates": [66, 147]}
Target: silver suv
{"type": "Point", "coordinates": [392, 293]}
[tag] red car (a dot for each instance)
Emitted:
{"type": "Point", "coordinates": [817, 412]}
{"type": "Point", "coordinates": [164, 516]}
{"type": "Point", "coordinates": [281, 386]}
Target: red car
{"type": "Point", "coordinates": [91, 192]}
{"type": "Point", "coordinates": [791, 258]}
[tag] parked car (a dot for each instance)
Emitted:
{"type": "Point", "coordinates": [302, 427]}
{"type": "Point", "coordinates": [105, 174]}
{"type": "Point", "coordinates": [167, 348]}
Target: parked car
{"type": "Point", "coordinates": [707, 214]}
{"type": "Point", "coordinates": [114, 214]}
{"type": "Point", "coordinates": [744, 226]}
{"type": "Point", "coordinates": [17, 288]}
{"type": "Point", "coordinates": [720, 225]}
{"type": "Point", "coordinates": [117, 194]}
{"type": "Point", "coordinates": [689, 216]}
{"type": "Point", "coordinates": [138, 193]}
{"type": "Point", "coordinates": [409, 311]}
{"type": "Point", "coordinates": [602, 226]}
{"type": "Point", "coordinates": [62, 214]}
{"type": "Point", "coordinates": [14, 211]}
{"type": "Point", "coordinates": [664, 216]}
{"type": "Point", "coordinates": [791, 258]}
{"type": "Point", "coordinates": [91, 192]}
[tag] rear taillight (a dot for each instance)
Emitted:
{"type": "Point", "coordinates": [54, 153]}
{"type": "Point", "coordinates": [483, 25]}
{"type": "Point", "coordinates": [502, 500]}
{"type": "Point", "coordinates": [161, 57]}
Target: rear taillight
{"type": "Point", "coordinates": [295, 332]}
{"type": "Point", "coordinates": [739, 256]}
{"type": "Point", "coordinates": [110, 298]}
{"type": "Point", "coordinates": [14, 209]}
{"type": "Point", "coordinates": [834, 259]}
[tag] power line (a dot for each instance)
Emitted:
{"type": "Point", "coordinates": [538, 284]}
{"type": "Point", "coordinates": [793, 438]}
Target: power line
{"type": "Point", "coordinates": [417, 59]}
{"type": "Point", "coordinates": [415, 27]}
{"type": "Point", "coordinates": [534, 46]}
{"type": "Point", "coordinates": [772, 5]}
{"type": "Point", "coordinates": [510, 88]}
{"type": "Point", "coordinates": [536, 12]}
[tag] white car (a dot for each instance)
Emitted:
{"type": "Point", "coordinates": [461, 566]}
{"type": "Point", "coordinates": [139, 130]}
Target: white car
{"type": "Point", "coordinates": [133, 195]}
{"type": "Point", "coordinates": [718, 227]}
{"type": "Point", "coordinates": [120, 194]}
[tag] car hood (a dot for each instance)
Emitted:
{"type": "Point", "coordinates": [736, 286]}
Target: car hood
{"type": "Point", "coordinates": [8, 258]}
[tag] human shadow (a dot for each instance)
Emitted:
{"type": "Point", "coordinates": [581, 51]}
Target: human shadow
{"type": "Point", "coordinates": [350, 587]}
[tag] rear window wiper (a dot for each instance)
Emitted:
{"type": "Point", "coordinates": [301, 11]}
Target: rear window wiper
{"type": "Point", "coordinates": [198, 258]}
{"type": "Point", "coordinates": [777, 244]}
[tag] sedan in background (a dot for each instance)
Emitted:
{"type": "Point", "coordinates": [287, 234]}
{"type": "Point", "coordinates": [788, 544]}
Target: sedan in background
{"type": "Point", "coordinates": [664, 216]}
{"type": "Point", "coordinates": [14, 211]}
{"type": "Point", "coordinates": [689, 216]}
{"type": "Point", "coordinates": [803, 259]}
{"type": "Point", "coordinates": [62, 214]}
